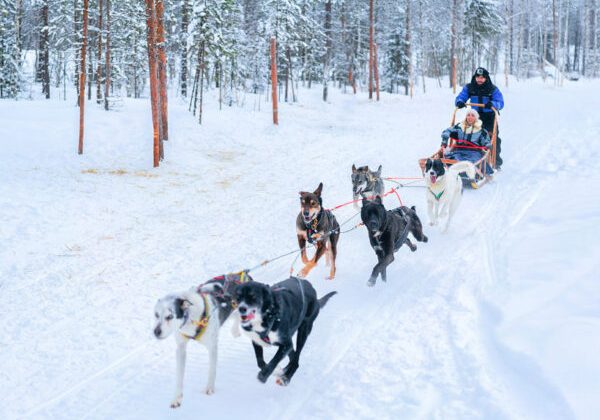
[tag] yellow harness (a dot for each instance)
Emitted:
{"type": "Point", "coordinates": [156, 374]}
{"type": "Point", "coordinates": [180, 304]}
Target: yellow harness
{"type": "Point", "coordinates": [243, 279]}
{"type": "Point", "coordinates": [202, 323]}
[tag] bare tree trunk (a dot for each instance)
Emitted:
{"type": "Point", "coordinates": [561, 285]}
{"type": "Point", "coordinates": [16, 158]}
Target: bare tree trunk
{"type": "Point", "coordinates": [18, 23]}
{"type": "Point", "coordinates": [77, 50]}
{"type": "Point", "coordinates": [162, 69]}
{"type": "Point", "coordinates": [421, 46]}
{"type": "Point", "coordinates": [371, 52]}
{"type": "Point", "coordinates": [82, 75]}
{"type": "Point", "coordinates": [107, 57]}
{"type": "Point", "coordinates": [565, 60]}
{"type": "Point", "coordinates": [508, 38]}
{"type": "Point", "coordinates": [152, 64]}
{"type": "Point", "coordinates": [544, 52]}
{"type": "Point", "coordinates": [554, 41]}
{"type": "Point", "coordinates": [453, 38]}
{"type": "Point", "coordinates": [202, 68]}
{"type": "Point", "coordinates": [44, 51]}
{"type": "Point", "coordinates": [289, 60]}
{"type": "Point", "coordinates": [408, 52]}
{"type": "Point", "coordinates": [274, 79]}
{"type": "Point", "coordinates": [584, 37]}
{"type": "Point", "coordinates": [577, 42]}
{"type": "Point", "coordinates": [99, 57]}
{"type": "Point", "coordinates": [287, 75]}
{"type": "Point", "coordinates": [592, 44]}
{"type": "Point", "coordinates": [185, 21]}
{"type": "Point", "coordinates": [90, 69]}
{"type": "Point", "coordinates": [328, 47]}
{"type": "Point", "coordinates": [376, 70]}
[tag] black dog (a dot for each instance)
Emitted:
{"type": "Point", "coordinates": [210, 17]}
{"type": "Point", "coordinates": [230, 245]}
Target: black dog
{"type": "Point", "coordinates": [388, 230]}
{"type": "Point", "coordinates": [271, 316]}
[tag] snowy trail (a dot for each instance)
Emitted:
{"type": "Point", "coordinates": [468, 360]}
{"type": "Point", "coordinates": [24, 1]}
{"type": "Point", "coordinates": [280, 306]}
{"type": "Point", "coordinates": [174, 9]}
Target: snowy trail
{"type": "Point", "coordinates": [96, 249]}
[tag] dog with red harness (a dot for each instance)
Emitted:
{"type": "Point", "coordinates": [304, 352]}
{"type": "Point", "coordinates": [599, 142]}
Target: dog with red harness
{"type": "Point", "coordinates": [318, 227]}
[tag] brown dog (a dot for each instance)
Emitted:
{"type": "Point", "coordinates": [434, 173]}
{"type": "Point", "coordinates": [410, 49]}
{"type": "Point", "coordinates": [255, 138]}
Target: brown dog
{"type": "Point", "coordinates": [319, 227]}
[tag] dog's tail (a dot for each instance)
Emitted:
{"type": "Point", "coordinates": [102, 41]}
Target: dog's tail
{"type": "Point", "coordinates": [464, 166]}
{"type": "Point", "coordinates": [325, 298]}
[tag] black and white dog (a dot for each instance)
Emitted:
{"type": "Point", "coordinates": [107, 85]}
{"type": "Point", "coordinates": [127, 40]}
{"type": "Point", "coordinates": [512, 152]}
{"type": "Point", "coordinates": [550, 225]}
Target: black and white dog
{"type": "Point", "coordinates": [444, 189]}
{"type": "Point", "coordinates": [197, 314]}
{"type": "Point", "coordinates": [272, 315]}
{"type": "Point", "coordinates": [388, 231]}
{"type": "Point", "coordinates": [366, 183]}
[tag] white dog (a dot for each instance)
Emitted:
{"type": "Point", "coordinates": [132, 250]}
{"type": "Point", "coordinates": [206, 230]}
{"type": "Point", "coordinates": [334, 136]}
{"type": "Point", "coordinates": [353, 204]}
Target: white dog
{"type": "Point", "coordinates": [192, 315]}
{"type": "Point", "coordinates": [444, 189]}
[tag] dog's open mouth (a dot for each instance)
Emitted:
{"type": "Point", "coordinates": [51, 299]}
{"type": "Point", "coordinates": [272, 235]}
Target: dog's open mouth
{"type": "Point", "coordinates": [247, 317]}
{"type": "Point", "coordinates": [433, 178]}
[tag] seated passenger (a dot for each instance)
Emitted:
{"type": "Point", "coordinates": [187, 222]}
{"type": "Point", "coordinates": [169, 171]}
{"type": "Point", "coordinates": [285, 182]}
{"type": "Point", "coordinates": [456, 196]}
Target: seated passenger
{"type": "Point", "coordinates": [470, 140]}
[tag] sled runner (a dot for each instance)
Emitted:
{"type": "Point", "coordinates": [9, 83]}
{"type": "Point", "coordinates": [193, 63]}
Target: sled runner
{"type": "Point", "coordinates": [488, 158]}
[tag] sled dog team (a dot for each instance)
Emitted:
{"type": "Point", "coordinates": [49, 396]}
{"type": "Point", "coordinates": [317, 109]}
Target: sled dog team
{"type": "Point", "coordinates": [271, 315]}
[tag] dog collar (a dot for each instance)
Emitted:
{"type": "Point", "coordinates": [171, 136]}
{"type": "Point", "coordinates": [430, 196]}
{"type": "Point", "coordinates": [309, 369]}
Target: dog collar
{"type": "Point", "coordinates": [202, 323]}
{"type": "Point", "coordinates": [437, 196]}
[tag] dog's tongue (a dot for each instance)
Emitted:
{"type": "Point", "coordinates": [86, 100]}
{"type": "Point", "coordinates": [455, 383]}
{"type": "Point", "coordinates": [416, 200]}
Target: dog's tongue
{"type": "Point", "coordinates": [433, 178]}
{"type": "Point", "coordinates": [248, 317]}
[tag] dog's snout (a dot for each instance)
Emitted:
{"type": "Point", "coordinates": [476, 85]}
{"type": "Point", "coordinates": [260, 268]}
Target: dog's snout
{"type": "Point", "coordinates": [242, 309]}
{"type": "Point", "coordinates": [305, 213]}
{"type": "Point", "coordinates": [157, 331]}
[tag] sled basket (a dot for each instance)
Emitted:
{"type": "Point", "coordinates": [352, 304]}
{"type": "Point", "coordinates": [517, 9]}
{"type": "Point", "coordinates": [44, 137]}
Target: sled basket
{"type": "Point", "coordinates": [489, 157]}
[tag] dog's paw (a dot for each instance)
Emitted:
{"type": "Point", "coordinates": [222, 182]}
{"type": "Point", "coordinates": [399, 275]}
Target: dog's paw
{"type": "Point", "coordinates": [209, 390]}
{"type": "Point", "coordinates": [329, 277]}
{"type": "Point", "coordinates": [371, 282]}
{"type": "Point", "coordinates": [282, 380]}
{"type": "Point", "coordinates": [278, 371]}
{"type": "Point", "coordinates": [425, 239]}
{"type": "Point", "coordinates": [176, 401]}
{"type": "Point", "coordinates": [262, 376]}
{"type": "Point", "coordinates": [413, 248]}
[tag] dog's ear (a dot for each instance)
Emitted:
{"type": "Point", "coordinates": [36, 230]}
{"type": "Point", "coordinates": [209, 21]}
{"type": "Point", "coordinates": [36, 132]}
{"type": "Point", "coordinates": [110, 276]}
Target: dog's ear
{"type": "Point", "coordinates": [302, 193]}
{"type": "Point", "coordinates": [353, 168]}
{"type": "Point", "coordinates": [414, 208]}
{"type": "Point", "coordinates": [182, 307]}
{"type": "Point", "coordinates": [319, 189]}
{"type": "Point", "coordinates": [378, 200]}
{"type": "Point", "coordinates": [378, 173]}
{"type": "Point", "coordinates": [367, 168]}
{"type": "Point", "coordinates": [428, 164]}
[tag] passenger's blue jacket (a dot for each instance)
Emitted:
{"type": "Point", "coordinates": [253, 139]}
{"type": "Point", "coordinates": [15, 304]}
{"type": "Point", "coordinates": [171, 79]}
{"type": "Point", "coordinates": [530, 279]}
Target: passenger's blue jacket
{"type": "Point", "coordinates": [481, 94]}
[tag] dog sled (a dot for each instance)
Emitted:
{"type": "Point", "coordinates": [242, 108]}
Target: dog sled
{"type": "Point", "coordinates": [488, 158]}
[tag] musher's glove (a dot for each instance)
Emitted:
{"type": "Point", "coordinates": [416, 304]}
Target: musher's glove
{"type": "Point", "coordinates": [454, 135]}
{"type": "Point", "coordinates": [488, 105]}
{"type": "Point", "coordinates": [460, 104]}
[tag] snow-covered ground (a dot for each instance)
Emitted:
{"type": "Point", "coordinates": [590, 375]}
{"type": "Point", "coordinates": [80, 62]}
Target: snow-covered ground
{"type": "Point", "coordinates": [498, 318]}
